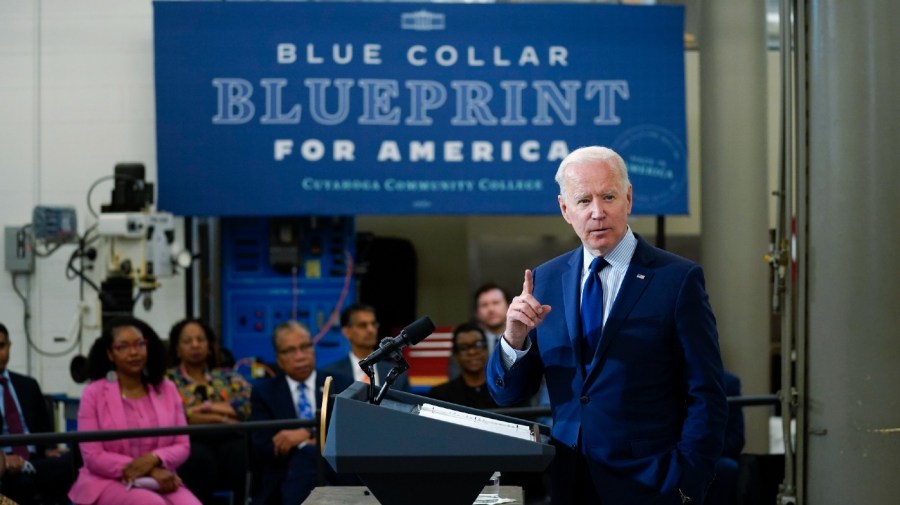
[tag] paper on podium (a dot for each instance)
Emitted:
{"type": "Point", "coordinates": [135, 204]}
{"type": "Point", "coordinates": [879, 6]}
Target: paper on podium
{"type": "Point", "coordinates": [475, 421]}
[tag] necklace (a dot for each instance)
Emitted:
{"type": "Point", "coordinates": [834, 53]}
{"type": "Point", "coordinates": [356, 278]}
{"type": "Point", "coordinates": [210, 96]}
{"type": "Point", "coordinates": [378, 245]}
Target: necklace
{"type": "Point", "coordinates": [133, 393]}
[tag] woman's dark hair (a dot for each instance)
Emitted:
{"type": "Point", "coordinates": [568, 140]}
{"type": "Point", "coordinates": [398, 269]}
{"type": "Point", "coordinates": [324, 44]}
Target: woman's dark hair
{"type": "Point", "coordinates": [98, 360]}
{"type": "Point", "coordinates": [212, 361]}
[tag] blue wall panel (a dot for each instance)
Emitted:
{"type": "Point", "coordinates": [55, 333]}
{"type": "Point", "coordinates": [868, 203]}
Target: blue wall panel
{"type": "Point", "coordinates": [257, 296]}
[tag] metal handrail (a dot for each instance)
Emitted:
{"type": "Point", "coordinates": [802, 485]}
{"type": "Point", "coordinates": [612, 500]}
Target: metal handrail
{"type": "Point", "coordinates": [93, 436]}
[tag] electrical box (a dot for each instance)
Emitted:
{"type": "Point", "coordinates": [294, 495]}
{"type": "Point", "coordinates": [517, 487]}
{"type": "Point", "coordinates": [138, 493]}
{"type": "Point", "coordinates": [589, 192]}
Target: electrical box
{"type": "Point", "coordinates": [18, 253]}
{"type": "Point", "coordinates": [54, 225]}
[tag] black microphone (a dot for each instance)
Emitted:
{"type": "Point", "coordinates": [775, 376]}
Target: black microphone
{"type": "Point", "coordinates": [411, 335]}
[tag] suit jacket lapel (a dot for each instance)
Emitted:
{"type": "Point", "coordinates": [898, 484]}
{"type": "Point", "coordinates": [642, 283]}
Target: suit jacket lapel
{"type": "Point", "coordinates": [571, 285]}
{"type": "Point", "coordinates": [288, 405]}
{"type": "Point", "coordinates": [25, 396]}
{"type": "Point", "coordinates": [112, 399]}
{"type": "Point", "coordinates": [112, 395]}
{"type": "Point", "coordinates": [637, 278]}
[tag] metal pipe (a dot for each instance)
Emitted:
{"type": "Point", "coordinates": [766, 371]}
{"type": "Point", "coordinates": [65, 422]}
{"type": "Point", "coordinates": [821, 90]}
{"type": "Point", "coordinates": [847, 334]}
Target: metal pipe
{"type": "Point", "coordinates": [800, 267]}
{"type": "Point", "coordinates": [786, 212]}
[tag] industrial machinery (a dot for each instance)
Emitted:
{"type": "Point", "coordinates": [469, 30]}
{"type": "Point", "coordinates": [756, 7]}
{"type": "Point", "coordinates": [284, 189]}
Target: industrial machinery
{"type": "Point", "coordinates": [135, 244]}
{"type": "Point", "coordinates": [118, 259]}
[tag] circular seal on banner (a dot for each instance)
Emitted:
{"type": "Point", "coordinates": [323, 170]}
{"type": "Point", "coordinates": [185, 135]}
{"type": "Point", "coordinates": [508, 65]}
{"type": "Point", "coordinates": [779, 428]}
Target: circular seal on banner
{"type": "Point", "coordinates": [657, 167]}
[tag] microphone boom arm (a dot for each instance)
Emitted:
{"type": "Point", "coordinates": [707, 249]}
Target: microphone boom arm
{"type": "Point", "coordinates": [391, 348]}
{"type": "Point", "coordinates": [400, 367]}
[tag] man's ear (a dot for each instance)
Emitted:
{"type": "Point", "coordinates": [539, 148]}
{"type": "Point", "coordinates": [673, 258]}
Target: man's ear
{"type": "Point", "coordinates": [563, 207]}
{"type": "Point", "coordinates": [629, 197]}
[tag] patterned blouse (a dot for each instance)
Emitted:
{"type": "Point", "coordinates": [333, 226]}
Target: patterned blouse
{"type": "Point", "coordinates": [224, 386]}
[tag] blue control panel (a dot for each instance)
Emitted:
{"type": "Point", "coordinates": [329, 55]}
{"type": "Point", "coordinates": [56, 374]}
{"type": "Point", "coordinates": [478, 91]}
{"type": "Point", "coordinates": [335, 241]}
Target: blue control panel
{"type": "Point", "coordinates": [276, 269]}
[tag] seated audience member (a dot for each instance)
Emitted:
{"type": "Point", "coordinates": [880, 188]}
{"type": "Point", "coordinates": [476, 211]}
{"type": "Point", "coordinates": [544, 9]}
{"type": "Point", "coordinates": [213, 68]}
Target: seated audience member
{"type": "Point", "coordinates": [289, 459]}
{"type": "Point", "coordinates": [34, 473]}
{"type": "Point", "coordinates": [470, 350]}
{"type": "Point", "coordinates": [211, 395]}
{"type": "Point", "coordinates": [724, 488]}
{"type": "Point", "coordinates": [490, 304]}
{"type": "Point", "coordinates": [128, 390]}
{"type": "Point", "coordinates": [360, 328]}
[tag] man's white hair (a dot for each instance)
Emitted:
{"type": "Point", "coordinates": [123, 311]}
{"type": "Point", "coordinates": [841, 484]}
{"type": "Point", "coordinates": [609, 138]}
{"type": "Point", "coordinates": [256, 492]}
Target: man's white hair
{"type": "Point", "coordinates": [592, 154]}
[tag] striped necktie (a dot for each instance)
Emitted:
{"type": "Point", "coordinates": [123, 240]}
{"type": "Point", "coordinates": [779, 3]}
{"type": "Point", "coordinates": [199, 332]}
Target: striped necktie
{"type": "Point", "coordinates": [304, 409]}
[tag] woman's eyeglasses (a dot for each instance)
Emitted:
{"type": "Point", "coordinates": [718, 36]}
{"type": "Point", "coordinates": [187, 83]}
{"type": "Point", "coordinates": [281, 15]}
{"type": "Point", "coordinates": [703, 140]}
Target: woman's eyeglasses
{"type": "Point", "coordinates": [122, 347]}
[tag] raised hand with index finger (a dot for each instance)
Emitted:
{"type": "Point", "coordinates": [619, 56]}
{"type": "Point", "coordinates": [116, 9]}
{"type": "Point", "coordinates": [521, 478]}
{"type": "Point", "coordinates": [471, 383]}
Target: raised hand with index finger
{"type": "Point", "coordinates": [525, 313]}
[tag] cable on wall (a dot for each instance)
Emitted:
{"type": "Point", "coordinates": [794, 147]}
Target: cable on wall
{"type": "Point", "coordinates": [345, 290]}
{"type": "Point", "coordinates": [26, 319]}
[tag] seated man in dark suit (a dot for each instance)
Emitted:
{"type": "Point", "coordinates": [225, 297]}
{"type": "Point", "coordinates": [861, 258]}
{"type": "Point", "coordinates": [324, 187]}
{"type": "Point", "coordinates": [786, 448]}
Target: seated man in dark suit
{"type": "Point", "coordinates": [724, 488]}
{"type": "Point", "coordinates": [360, 327]}
{"type": "Point", "coordinates": [33, 471]}
{"type": "Point", "coordinates": [470, 350]}
{"type": "Point", "coordinates": [289, 459]}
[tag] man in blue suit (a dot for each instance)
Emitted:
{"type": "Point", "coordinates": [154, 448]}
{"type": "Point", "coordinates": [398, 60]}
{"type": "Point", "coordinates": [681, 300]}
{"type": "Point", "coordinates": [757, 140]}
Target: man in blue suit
{"type": "Point", "coordinates": [638, 404]}
{"type": "Point", "coordinates": [360, 327]}
{"type": "Point", "coordinates": [288, 459]}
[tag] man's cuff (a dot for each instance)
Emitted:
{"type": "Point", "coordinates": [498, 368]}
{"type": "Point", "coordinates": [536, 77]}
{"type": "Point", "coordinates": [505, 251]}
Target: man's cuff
{"type": "Point", "coordinates": [510, 355]}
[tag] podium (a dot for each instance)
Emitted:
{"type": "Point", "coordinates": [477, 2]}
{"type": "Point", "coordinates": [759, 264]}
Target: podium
{"type": "Point", "coordinates": [408, 459]}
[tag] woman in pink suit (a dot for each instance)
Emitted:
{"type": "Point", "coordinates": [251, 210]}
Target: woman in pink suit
{"type": "Point", "coordinates": [129, 391]}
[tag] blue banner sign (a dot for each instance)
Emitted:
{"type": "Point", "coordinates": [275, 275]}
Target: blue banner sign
{"type": "Point", "coordinates": [298, 108]}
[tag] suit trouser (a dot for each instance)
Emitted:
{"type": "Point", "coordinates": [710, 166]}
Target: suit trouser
{"type": "Point", "coordinates": [572, 483]}
{"type": "Point", "coordinates": [302, 475]}
{"type": "Point", "coordinates": [54, 477]}
{"type": "Point", "coordinates": [288, 479]}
